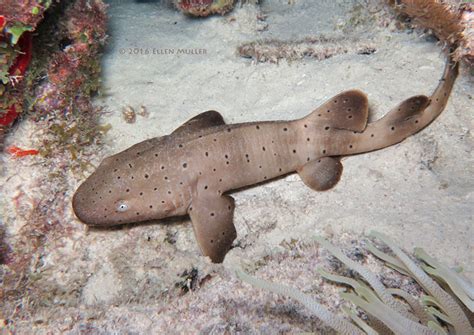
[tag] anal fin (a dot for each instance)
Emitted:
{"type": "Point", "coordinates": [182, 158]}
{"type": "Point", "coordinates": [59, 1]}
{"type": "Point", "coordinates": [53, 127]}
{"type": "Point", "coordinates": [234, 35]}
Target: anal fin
{"type": "Point", "coordinates": [212, 219]}
{"type": "Point", "coordinates": [321, 174]}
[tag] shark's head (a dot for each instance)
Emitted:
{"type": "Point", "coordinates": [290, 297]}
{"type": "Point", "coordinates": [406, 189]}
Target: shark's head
{"type": "Point", "coordinates": [117, 194]}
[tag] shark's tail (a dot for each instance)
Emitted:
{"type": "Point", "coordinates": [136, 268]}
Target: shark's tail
{"type": "Point", "coordinates": [407, 118]}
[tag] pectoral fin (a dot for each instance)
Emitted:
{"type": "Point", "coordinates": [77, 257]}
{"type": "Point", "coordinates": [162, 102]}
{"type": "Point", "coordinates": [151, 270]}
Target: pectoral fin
{"type": "Point", "coordinates": [212, 219]}
{"type": "Point", "coordinates": [321, 174]}
{"type": "Point", "coordinates": [202, 121]}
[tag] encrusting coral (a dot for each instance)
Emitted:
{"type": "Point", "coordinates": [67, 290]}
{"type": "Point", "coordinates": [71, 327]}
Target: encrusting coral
{"type": "Point", "coordinates": [446, 308]}
{"type": "Point", "coordinates": [58, 86]}
{"type": "Point", "coordinates": [451, 21]}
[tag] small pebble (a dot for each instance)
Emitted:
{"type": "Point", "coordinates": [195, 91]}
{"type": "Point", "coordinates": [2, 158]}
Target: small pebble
{"type": "Point", "coordinates": [129, 114]}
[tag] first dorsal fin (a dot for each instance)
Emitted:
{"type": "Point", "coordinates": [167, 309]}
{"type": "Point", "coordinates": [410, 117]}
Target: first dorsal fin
{"type": "Point", "coordinates": [347, 110]}
{"type": "Point", "coordinates": [202, 121]}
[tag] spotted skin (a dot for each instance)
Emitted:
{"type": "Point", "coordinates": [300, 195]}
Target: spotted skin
{"type": "Point", "coordinates": [192, 170]}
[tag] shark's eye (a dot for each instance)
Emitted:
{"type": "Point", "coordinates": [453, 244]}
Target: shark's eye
{"type": "Point", "coordinates": [122, 206]}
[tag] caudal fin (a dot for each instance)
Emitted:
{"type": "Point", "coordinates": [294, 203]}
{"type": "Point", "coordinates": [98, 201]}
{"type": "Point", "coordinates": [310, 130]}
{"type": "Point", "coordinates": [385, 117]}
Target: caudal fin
{"type": "Point", "coordinates": [407, 118]}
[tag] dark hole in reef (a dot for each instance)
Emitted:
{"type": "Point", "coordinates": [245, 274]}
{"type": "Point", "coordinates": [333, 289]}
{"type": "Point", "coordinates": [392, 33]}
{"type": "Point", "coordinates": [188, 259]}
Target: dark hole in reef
{"type": "Point", "coordinates": [64, 43]}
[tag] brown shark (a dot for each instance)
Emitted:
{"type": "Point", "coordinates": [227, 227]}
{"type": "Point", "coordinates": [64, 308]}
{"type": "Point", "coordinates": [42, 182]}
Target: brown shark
{"type": "Point", "coordinates": [192, 170]}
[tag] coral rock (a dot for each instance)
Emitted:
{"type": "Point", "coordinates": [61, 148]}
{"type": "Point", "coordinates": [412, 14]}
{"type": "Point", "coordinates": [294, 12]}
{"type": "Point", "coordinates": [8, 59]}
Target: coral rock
{"type": "Point", "coordinates": [204, 7]}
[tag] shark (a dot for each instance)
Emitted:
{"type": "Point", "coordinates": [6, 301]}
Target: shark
{"type": "Point", "coordinates": [193, 170]}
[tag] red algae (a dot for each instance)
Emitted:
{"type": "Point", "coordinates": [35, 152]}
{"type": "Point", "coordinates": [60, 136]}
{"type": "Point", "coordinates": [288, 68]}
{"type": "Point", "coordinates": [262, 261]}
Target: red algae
{"type": "Point", "coordinates": [50, 74]}
{"type": "Point", "coordinates": [18, 152]}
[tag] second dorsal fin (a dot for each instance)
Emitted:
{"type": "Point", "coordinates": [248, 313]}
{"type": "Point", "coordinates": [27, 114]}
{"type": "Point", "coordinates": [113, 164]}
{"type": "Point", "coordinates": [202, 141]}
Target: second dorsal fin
{"type": "Point", "coordinates": [347, 110]}
{"type": "Point", "coordinates": [199, 122]}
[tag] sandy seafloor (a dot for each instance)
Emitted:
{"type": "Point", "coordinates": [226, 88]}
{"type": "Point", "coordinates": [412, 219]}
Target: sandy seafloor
{"type": "Point", "coordinates": [418, 192]}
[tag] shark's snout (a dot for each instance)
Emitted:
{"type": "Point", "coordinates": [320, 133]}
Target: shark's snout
{"type": "Point", "coordinates": [81, 208]}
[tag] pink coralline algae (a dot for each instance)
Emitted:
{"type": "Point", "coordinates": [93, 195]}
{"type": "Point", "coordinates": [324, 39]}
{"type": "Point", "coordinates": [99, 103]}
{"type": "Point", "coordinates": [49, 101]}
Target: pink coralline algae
{"type": "Point", "coordinates": [65, 73]}
{"type": "Point", "coordinates": [17, 71]}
